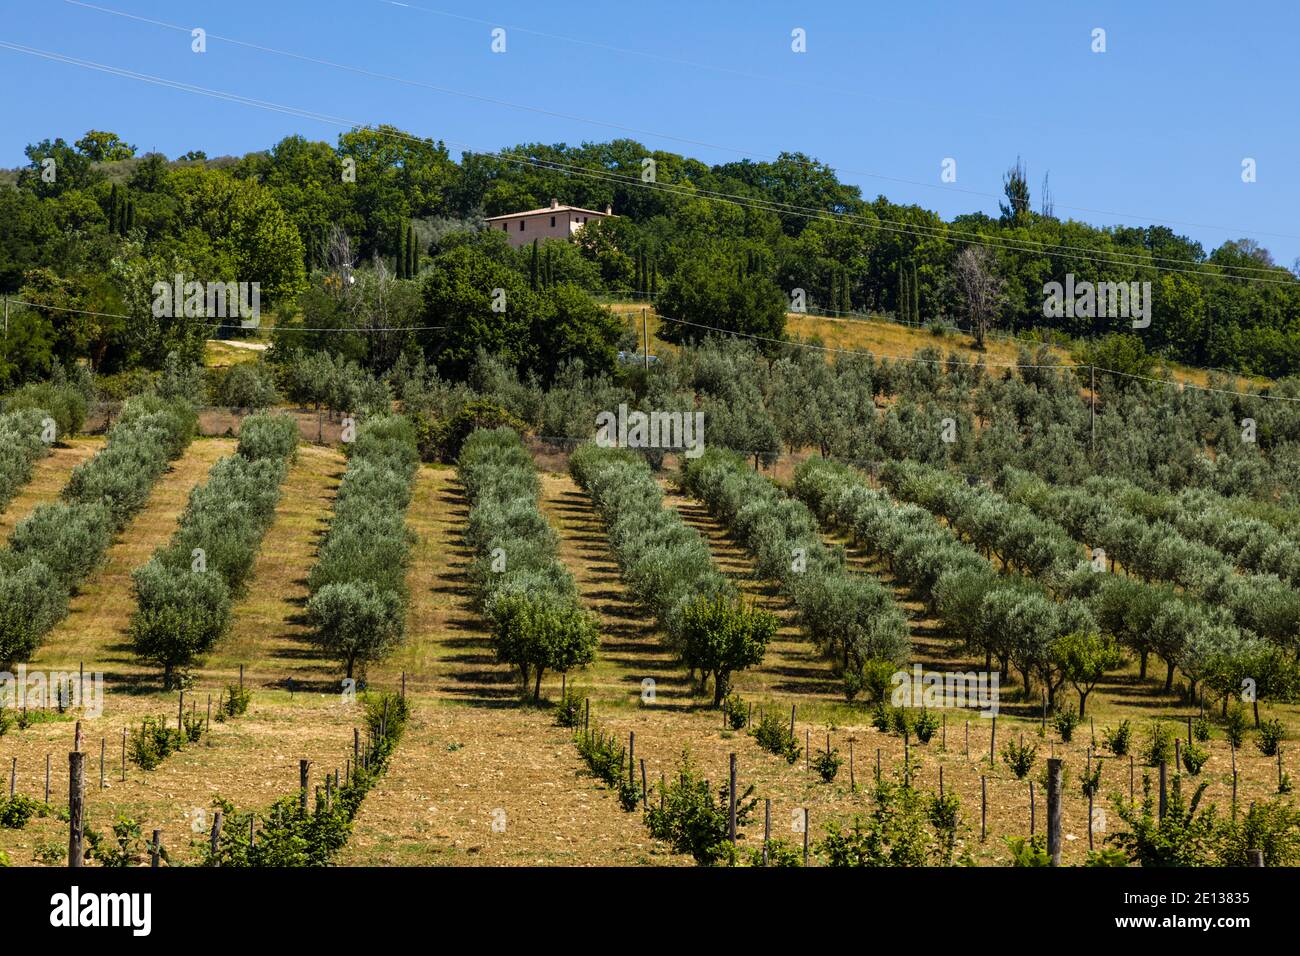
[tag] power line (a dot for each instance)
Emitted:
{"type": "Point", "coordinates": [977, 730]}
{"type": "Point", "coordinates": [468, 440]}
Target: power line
{"type": "Point", "coordinates": [216, 325]}
{"type": "Point", "coordinates": [494, 100]}
{"type": "Point", "coordinates": [918, 230]}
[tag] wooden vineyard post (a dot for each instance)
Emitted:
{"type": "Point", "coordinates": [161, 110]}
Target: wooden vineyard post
{"type": "Point", "coordinates": [1164, 798]}
{"type": "Point", "coordinates": [47, 778]}
{"type": "Point", "coordinates": [767, 826]}
{"type": "Point", "coordinates": [877, 766]}
{"type": "Point", "coordinates": [1255, 858]}
{"type": "Point", "coordinates": [252, 830]}
{"type": "Point", "coordinates": [984, 808]}
{"type": "Point", "coordinates": [302, 784]}
{"type": "Point", "coordinates": [805, 836]}
{"type": "Point", "coordinates": [993, 736]}
{"type": "Point", "coordinates": [1281, 777]}
{"type": "Point", "coordinates": [216, 838]}
{"type": "Point", "coordinates": [241, 680]}
{"type": "Point", "coordinates": [124, 755]}
{"type": "Point", "coordinates": [940, 781]}
{"type": "Point", "coordinates": [586, 713]}
{"type": "Point", "coordinates": [76, 807]}
{"type": "Point", "coordinates": [645, 793]}
{"type": "Point", "coordinates": [180, 713]}
{"type": "Point", "coordinates": [1033, 813]}
{"type": "Point", "coordinates": [155, 849]}
{"type": "Point", "coordinates": [853, 782]}
{"type": "Point", "coordinates": [807, 749]}
{"type": "Point", "coordinates": [1044, 696]}
{"type": "Point", "coordinates": [1189, 731]}
{"type": "Point", "coordinates": [1178, 754]}
{"type": "Point", "coordinates": [1232, 747]}
{"type": "Point", "coordinates": [1130, 778]}
{"type": "Point", "coordinates": [13, 777]}
{"type": "Point", "coordinates": [103, 752]}
{"type": "Point", "coordinates": [968, 740]}
{"type": "Point", "coordinates": [207, 724]}
{"type": "Point", "coordinates": [943, 733]}
{"type": "Point", "coordinates": [1054, 779]}
{"type": "Point", "coordinates": [356, 749]}
{"type": "Point", "coordinates": [731, 800]}
{"type": "Point", "coordinates": [631, 757]}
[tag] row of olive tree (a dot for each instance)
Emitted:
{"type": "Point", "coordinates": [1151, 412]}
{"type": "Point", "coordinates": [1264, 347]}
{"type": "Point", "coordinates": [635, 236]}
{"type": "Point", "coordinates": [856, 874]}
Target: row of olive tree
{"type": "Point", "coordinates": [54, 549]}
{"type": "Point", "coordinates": [184, 592]}
{"type": "Point", "coordinates": [21, 444]}
{"type": "Point", "coordinates": [669, 570]}
{"type": "Point", "coordinates": [358, 586]}
{"type": "Point", "coordinates": [522, 587]}
{"type": "Point", "coordinates": [851, 617]}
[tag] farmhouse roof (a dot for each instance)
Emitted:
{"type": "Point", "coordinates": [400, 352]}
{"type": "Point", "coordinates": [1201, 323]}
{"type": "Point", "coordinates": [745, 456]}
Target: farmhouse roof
{"type": "Point", "coordinates": [547, 209]}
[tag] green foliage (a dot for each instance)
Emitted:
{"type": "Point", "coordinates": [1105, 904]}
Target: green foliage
{"type": "Point", "coordinates": [1201, 729]}
{"type": "Point", "coordinates": [604, 755]}
{"type": "Point", "coordinates": [1065, 720]}
{"type": "Point", "coordinates": [234, 703]}
{"type": "Point", "coordinates": [721, 635]}
{"type": "Point", "coordinates": [1271, 735]}
{"type": "Point", "coordinates": [1030, 851]}
{"type": "Point", "coordinates": [1107, 856]}
{"type": "Point", "coordinates": [1090, 784]}
{"type": "Point", "coordinates": [924, 725]}
{"type": "Point", "coordinates": [903, 828]}
{"type": "Point", "coordinates": [153, 742]}
{"type": "Point", "coordinates": [357, 607]}
{"type": "Point", "coordinates": [1160, 744]}
{"type": "Point", "coordinates": [780, 853]}
{"type": "Point", "coordinates": [1020, 757]}
{"type": "Point", "coordinates": [1194, 758]}
{"type": "Point", "coordinates": [288, 836]}
{"type": "Point", "coordinates": [736, 712]}
{"type": "Point", "coordinates": [526, 593]}
{"type": "Point", "coordinates": [1119, 739]}
{"type": "Point", "coordinates": [827, 763]}
{"type": "Point", "coordinates": [16, 811]}
{"type": "Point", "coordinates": [773, 735]}
{"type": "Point", "coordinates": [1185, 836]}
{"type": "Point", "coordinates": [126, 846]}
{"type": "Point", "coordinates": [568, 712]}
{"type": "Point", "coordinates": [694, 820]}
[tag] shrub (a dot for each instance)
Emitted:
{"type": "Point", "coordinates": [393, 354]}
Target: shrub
{"type": "Point", "coordinates": [720, 635]}
{"type": "Point", "coordinates": [1120, 739]}
{"type": "Point", "coordinates": [899, 831]}
{"type": "Point", "coordinates": [235, 702]}
{"type": "Point", "coordinates": [568, 712]}
{"type": "Point", "coordinates": [736, 712]}
{"type": "Point", "coordinates": [603, 754]}
{"type": "Point", "coordinates": [1234, 725]}
{"type": "Point", "coordinates": [773, 735]}
{"type": "Point", "coordinates": [827, 763]}
{"type": "Point", "coordinates": [16, 811]}
{"type": "Point", "coordinates": [1065, 720]}
{"type": "Point", "coordinates": [694, 820]}
{"type": "Point", "coordinates": [248, 385]}
{"type": "Point", "coordinates": [21, 445]}
{"type": "Point", "coordinates": [1160, 744]}
{"type": "Point", "coordinates": [66, 404]}
{"type": "Point", "coordinates": [1201, 729]}
{"type": "Point", "coordinates": [1194, 758]}
{"type": "Point", "coordinates": [271, 437]}
{"type": "Point", "coordinates": [1030, 851]}
{"type": "Point", "coordinates": [925, 724]}
{"type": "Point", "coordinates": [153, 742]}
{"type": "Point", "coordinates": [1271, 734]}
{"type": "Point", "coordinates": [1020, 757]}
{"type": "Point", "coordinates": [1185, 836]}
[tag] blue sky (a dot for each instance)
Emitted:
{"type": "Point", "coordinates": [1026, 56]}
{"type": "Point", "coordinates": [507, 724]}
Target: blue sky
{"type": "Point", "coordinates": [1153, 130]}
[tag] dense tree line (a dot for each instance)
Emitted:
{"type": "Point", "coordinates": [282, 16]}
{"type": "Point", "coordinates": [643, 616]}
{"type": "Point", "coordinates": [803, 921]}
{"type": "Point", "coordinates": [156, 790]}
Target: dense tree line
{"type": "Point", "coordinates": [304, 214]}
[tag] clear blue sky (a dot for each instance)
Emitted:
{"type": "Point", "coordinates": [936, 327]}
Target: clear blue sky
{"type": "Point", "coordinates": [1152, 130]}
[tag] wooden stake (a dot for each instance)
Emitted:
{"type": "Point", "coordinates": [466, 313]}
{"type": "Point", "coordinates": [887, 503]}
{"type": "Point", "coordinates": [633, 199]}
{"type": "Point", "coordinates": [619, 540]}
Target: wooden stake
{"type": "Point", "coordinates": [47, 779]}
{"type": "Point", "coordinates": [1164, 774]}
{"type": "Point", "coordinates": [731, 799]}
{"type": "Point", "coordinates": [1054, 781]}
{"type": "Point", "coordinates": [984, 808]}
{"type": "Point", "coordinates": [155, 849]}
{"type": "Point", "coordinates": [302, 783]}
{"type": "Point", "coordinates": [103, 751]}
{"type": "Point", "coordinates": [1033, 810]}
{"type": "Point", "coordinates": [767, 827]}
{"type": "Point", "coordinates": [805, 836]}
{"type": "Point", "coordinates": [216, 838]}
{"type": "Point", "coordinates": [76, 807]}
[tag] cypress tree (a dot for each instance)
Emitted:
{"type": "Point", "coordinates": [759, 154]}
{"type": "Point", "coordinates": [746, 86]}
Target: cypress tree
{"type": "Point", "coordinates": [112, 209]}
{"type": "Point", "coordinates": [413, 252]}
{"type": "Point", "coordinates": [533, 266]}
{"type": "Point", "coordinates": [129, 218]}
{"type": "Point", "coordinates": [902, 294]}
{"type": "Point", "coordinates": [916, 296]}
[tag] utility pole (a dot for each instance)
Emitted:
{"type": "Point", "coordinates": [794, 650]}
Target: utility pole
{"type": "Point", "coordinates": [645, 334]}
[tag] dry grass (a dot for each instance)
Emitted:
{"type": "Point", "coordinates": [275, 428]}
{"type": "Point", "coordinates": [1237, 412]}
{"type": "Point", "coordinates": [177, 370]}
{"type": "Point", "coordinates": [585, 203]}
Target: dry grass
{"type": "Point", "coordinates": [49, 475]}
